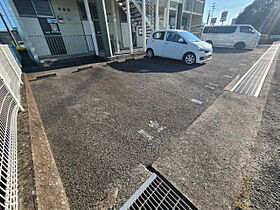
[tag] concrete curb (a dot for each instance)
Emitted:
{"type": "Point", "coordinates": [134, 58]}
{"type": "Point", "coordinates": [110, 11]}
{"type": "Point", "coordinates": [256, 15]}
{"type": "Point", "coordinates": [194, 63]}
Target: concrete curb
{"type": "Point", "coordinates": [50, 192]}
{"type": "Point", "coordinates": [232, 83]}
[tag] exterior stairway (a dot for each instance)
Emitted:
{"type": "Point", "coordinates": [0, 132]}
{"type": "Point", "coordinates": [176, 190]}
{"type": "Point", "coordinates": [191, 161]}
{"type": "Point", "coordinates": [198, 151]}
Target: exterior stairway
{"type": "Point", "coordinates": [136, 13]}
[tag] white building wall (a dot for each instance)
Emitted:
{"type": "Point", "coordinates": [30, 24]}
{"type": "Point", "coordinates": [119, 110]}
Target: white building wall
{"type": "Point", "coordinates": [33, 30]}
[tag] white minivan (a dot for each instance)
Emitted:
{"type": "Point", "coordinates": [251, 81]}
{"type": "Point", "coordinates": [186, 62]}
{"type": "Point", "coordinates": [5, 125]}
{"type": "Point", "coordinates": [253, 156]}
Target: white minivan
{"type": "Point", "coordinates": [237, 36]}
{"type": "Point", "coordinates": [179, 45]}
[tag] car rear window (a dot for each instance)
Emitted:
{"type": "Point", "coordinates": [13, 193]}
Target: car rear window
{"type": "Point", "coordinates": [158, 35]}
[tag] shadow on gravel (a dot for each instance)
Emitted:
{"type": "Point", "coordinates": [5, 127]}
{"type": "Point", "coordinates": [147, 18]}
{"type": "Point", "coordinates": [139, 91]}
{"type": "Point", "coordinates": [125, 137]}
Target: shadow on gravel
{"type": "Point", "coordinates": [230, 50]}
{"type": "Point", "coordinates": [29, 66]}
{"type": "Point", "coordinates": [154, 65]}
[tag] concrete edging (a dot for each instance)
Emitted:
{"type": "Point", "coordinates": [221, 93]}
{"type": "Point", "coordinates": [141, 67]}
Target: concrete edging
{"type": "Point", "coordinates": [50, 192]}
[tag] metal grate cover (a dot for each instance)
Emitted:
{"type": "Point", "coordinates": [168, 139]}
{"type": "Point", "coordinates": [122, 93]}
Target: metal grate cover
{"type": "Point", "coordinates": [155, 193]}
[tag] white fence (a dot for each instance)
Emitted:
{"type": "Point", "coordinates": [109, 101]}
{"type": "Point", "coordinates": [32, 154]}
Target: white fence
{"type": "Point", "coordinates": [10, 72]}
{"type": "Point", "coordinates": [10, 80]}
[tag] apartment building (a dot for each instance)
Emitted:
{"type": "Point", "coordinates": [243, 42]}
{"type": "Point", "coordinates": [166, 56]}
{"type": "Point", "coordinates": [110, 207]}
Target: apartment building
{"type": "Point", "coordinates": [59, 28]}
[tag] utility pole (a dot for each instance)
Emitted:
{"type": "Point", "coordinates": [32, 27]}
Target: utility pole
{"type": "Point", "coordinates": [144, 34]}
{"type": "Point", "coordinates": [8, 29]}
{"type": "Point", "coordinates": [208, 17]}
{"type": "Point", "coordinates": [213, 9]}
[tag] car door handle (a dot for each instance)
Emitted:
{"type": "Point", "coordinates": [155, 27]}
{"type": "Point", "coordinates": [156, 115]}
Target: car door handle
{"type": "Point", "coordinates": [153, 41]}
{"type": "Point", "coordinates": [165, 42]}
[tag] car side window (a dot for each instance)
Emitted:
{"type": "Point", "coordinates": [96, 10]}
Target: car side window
{"type": "Point", "coordinates": [246, 29]}
{"type": "Point", "coordinates": [172, 37]}
{"type": "Point", "coordinates": [206, 30]}
{"type": "Point", "coordinates": [209, 30]}
{"type": "Point", "coordinates": [158, 35]}
{"type": "Point", "coordinates": [225, 29]}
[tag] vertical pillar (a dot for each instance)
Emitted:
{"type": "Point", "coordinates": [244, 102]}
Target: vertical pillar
{"type": "Point", "coordinates": [190, 27]}
{"type": "Point", "coordinates": [167, 14]}
{"type": "Point", "coordinates": [176, 16]}
{"type": "Point", "coordinates": [92, 30]}
{"type": "Point", "coordinates": [157, 15]}
{"type": "Point", "coordinates": [164, 18]}
{"type": "Point", "coordinates": [179, 16]}
{"type": "Point", "coordinates": [101, 10]}
{"type": "Point", "coordinates": [144, 25]}
{"type": "Point", "coordinates": [129, 26]}
{"type": "Point", "coordinates": [115, 26]}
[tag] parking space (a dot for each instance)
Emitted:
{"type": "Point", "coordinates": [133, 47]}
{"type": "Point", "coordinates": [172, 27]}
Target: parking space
{"type": "Point", "coordinates": [104, 122]}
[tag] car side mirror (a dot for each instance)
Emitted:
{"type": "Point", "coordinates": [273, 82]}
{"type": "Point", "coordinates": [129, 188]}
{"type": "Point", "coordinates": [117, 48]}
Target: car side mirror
{"type": "Point", "coordinates": [181, 40]}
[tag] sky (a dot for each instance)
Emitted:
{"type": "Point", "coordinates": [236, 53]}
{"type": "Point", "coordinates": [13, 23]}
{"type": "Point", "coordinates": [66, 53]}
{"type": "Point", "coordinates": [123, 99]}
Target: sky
{"type": "Point", "coordinates": [234, 7]}
{"type": "Point", "coordinates": [8, 19]}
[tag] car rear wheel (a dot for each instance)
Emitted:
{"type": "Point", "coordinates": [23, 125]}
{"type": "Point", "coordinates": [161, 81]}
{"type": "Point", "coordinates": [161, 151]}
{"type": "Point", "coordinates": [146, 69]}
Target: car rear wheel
{"type": "Point", "coordinates": [189, 58]}
{"type": "Point", "coordinates": [239, 46]}
{"type": "Point", "coordinates": [150, 53]}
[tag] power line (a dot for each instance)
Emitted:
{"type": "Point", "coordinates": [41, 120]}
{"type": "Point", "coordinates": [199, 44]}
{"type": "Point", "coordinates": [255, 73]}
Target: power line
{"type": "Point", "coordinates": [231, 6]}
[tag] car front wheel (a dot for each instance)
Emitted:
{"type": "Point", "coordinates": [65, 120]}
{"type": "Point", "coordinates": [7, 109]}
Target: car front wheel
{"type": "Point", "coordinates": [189, 58]}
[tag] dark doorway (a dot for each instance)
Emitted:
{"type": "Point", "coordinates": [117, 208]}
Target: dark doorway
{"type": "Point", "coordinates": [53, 36]}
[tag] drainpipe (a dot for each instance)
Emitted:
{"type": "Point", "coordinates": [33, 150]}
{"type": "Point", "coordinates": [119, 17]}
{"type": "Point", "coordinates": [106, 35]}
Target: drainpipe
{"type": "Point", "coordinates": [157, 14]}
{"type": "Point", "coordinates": [167, 14]}
{"type": "Point", "coordinates": [144, 25]}
{"type": "Point", "coordinates": [129, 26]}
{"type": "Point", "coordinates": [91, 27]}
{"type": "Point", "coordinates": [115, 26]}
{"type": "Point", "coordinates": [179, 16]}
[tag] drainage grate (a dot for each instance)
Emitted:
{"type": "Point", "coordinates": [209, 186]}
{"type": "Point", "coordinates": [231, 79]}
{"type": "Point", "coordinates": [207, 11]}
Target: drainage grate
{"type": "Point", "coordinates": [251, 83]}
{"type": "Point", "coordinates": [156, 193]}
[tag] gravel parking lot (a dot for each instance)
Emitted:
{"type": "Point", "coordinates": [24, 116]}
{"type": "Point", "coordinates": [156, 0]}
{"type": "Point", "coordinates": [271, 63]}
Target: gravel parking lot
{"type": "Point", "coordinates": [103, 122]}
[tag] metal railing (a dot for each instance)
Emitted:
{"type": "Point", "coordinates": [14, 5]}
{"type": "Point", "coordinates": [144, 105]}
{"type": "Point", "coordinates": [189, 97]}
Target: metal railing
{"type": "Point", "coordinates": [71, 45]}
{"type": "Point", "coordinates": [149, 11]}
{"type": "Point", "coordinates": [8, 148]}
{"type": "Point", "coordinates": [10, 72]}
{"type": "Point", "coordinates": [10, 80]}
